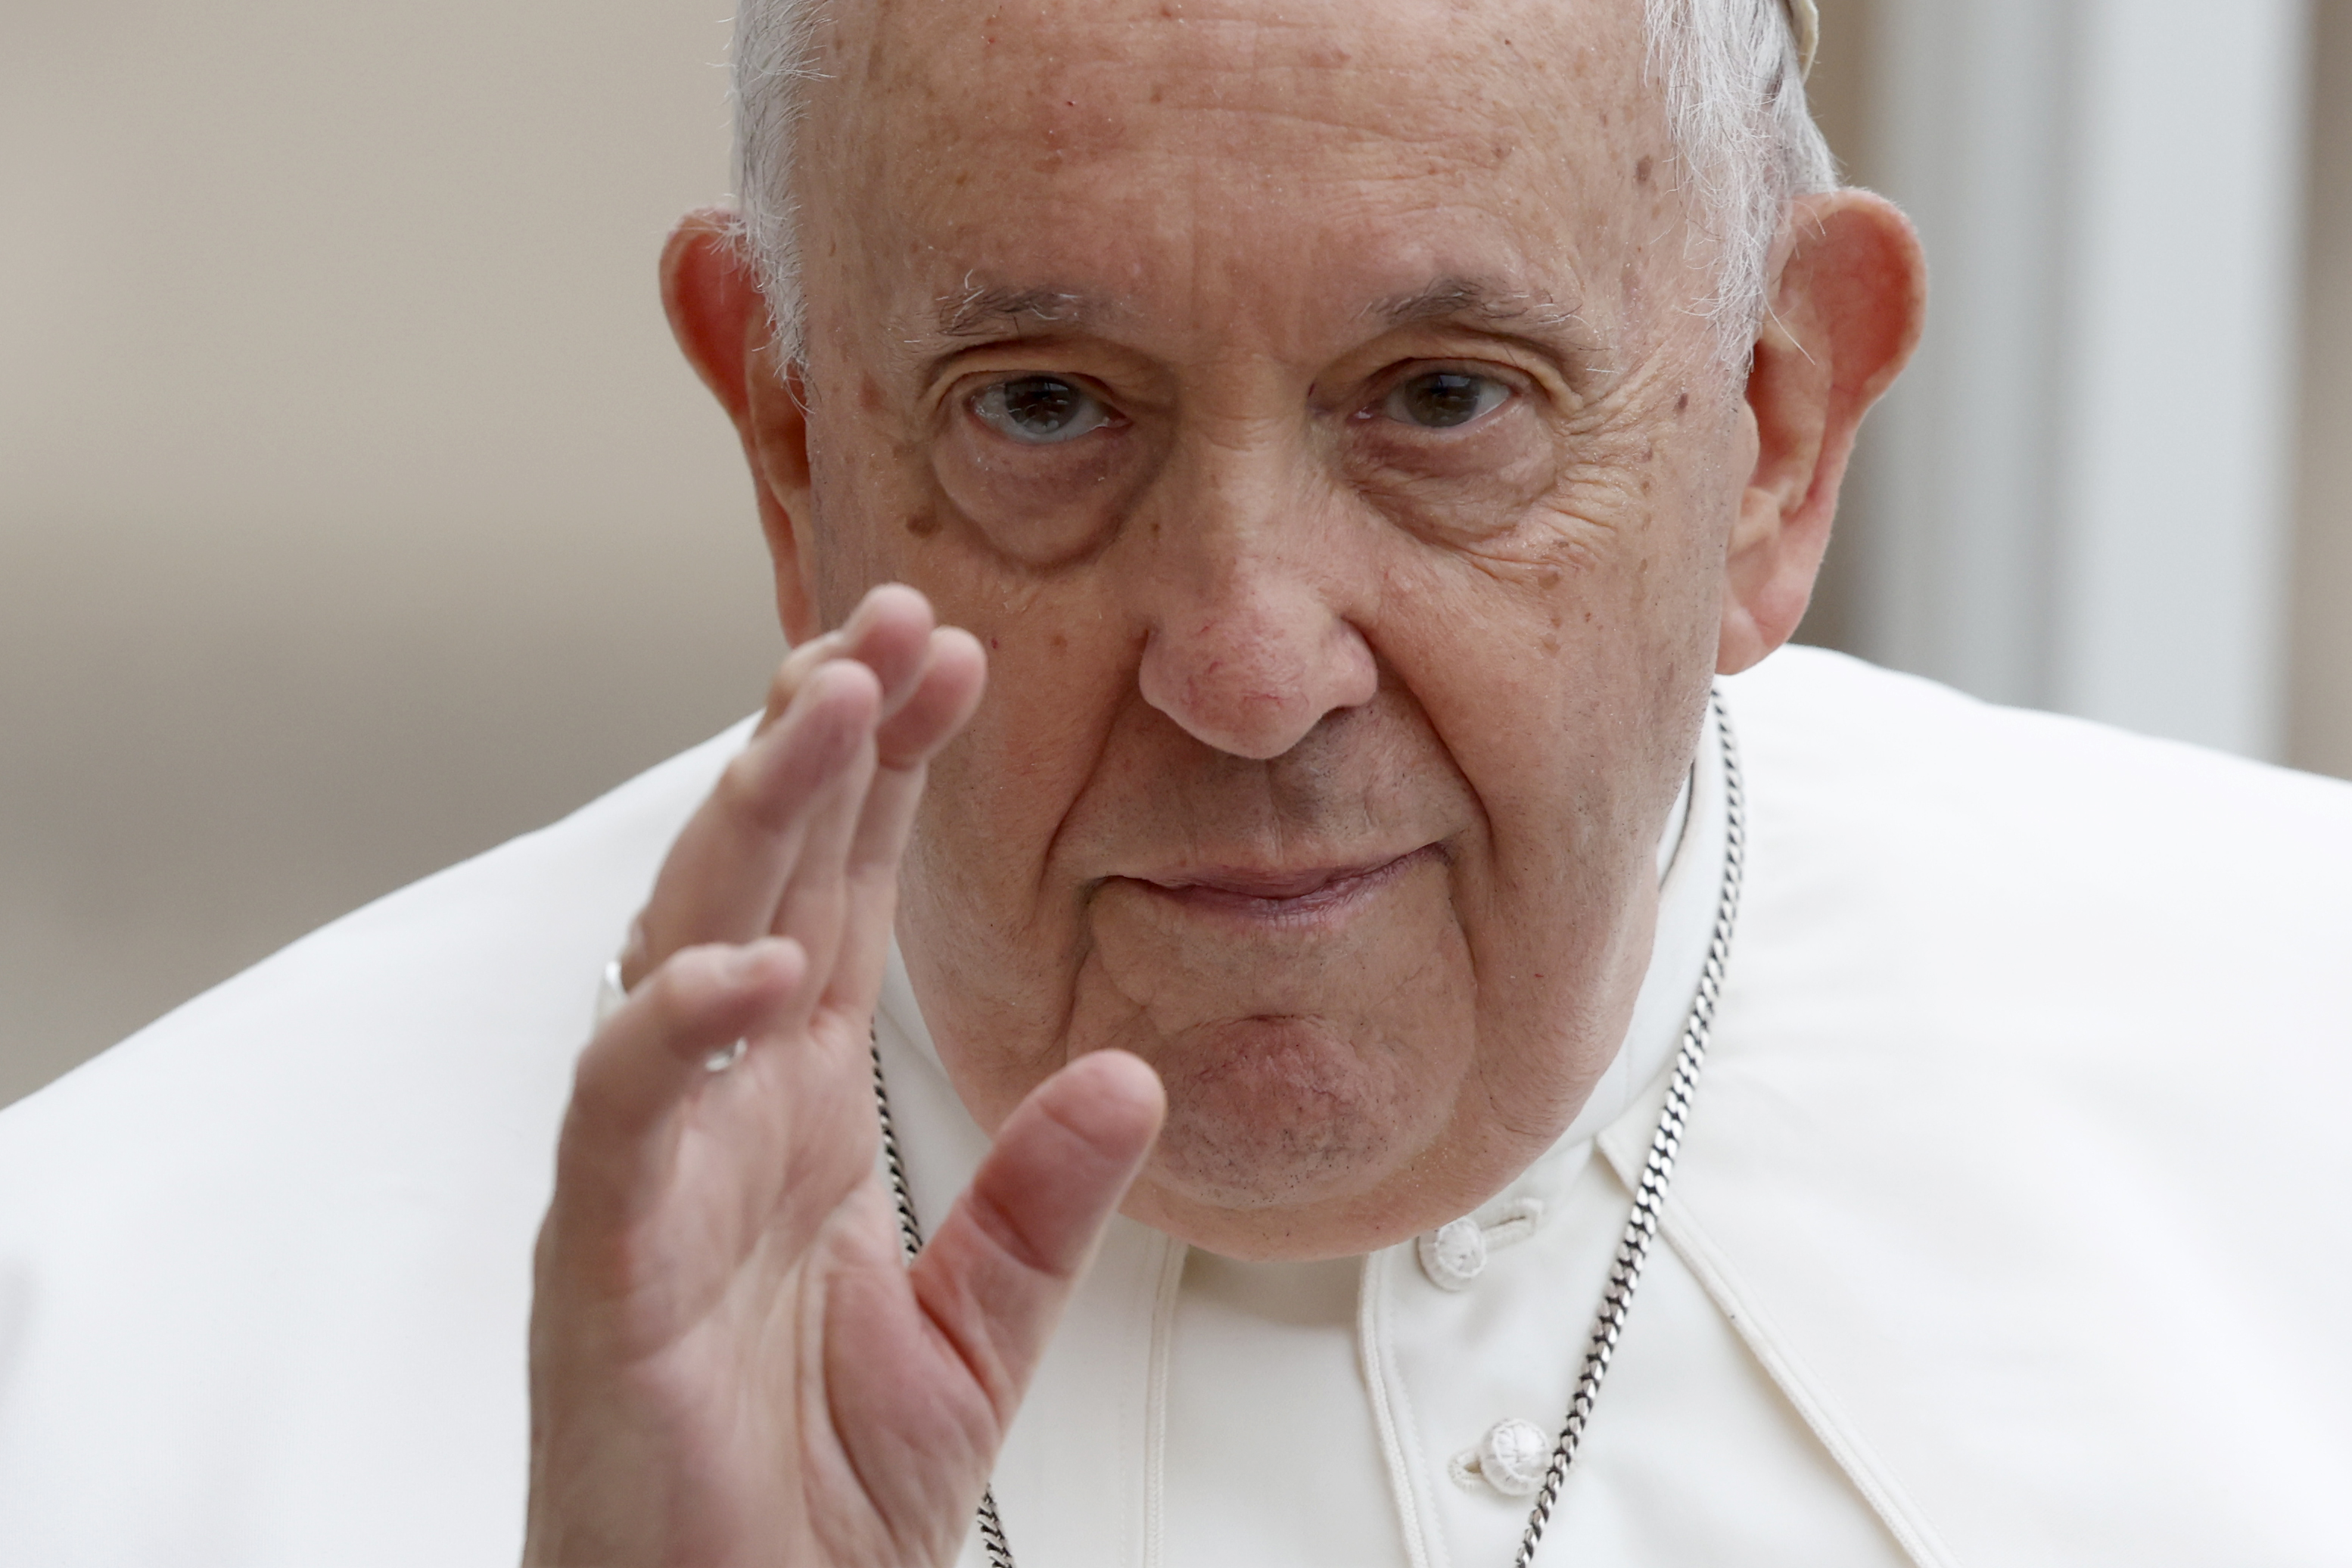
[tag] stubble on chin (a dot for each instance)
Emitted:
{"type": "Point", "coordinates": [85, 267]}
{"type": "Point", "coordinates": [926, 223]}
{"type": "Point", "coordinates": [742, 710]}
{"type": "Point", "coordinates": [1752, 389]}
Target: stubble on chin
{"type": "Point", "coordinates": [1270, 1112]}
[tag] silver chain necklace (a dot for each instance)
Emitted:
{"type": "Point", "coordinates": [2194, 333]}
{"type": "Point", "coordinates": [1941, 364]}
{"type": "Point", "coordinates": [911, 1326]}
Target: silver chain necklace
{"type": "Point", "coordinates": [1633, 1247]}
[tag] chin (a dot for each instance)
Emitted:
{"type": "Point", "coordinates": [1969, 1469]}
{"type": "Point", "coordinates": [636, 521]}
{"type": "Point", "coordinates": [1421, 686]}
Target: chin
{"type": "Point", "coordinates": [1275, 1113]}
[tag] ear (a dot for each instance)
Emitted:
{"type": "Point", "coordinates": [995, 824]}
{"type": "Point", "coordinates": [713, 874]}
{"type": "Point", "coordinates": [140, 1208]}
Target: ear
{"type": "Point", "coordinates": [1846, 309]}
{"type": "Point", "coordinates": [711, 288]}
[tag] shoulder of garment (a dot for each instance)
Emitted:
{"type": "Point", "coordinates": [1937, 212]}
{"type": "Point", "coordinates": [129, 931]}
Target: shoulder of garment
{"type": "Point", "coordinates": [2018, 1158]}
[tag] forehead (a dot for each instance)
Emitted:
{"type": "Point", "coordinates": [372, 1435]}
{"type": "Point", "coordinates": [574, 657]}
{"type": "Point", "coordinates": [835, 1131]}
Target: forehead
{"type": "Point", "coordinates": [1360, 148]}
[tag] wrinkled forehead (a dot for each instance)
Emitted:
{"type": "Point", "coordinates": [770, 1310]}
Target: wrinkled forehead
{"type": "Point", "coordinates": [1405, 67]}
{"type": "Point", "coordinates": [1374, 145]}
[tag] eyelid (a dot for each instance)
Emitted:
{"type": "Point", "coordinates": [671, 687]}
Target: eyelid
{"type": "Point", "coordinates": [1516, 384]}
{"type": "Point", "coordinates": [961, 388]}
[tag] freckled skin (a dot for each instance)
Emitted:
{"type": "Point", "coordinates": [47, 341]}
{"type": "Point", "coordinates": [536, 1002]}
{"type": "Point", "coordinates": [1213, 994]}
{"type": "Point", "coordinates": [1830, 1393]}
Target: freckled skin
{"type": "Point", "coordinates": [1255, 620]}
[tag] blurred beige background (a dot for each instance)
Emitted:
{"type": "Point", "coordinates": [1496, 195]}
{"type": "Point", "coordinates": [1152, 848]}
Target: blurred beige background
{"type": "Point", "coordinates": [355, 511]}
{"type": "Point", "coordinates": [356, 514]}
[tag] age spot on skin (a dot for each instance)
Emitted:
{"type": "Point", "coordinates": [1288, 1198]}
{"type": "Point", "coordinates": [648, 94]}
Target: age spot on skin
{"type": "Point", "coordinates": [922, 525]}
{"type": "Point", "coordinates": [1642, 171]}
{"type": "Point", "coordinates": [1682, 403]}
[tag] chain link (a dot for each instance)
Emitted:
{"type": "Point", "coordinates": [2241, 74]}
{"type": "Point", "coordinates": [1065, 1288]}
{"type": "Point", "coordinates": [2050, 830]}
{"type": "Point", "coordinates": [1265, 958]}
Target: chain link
{"type": "Point", "coordinates": [1650, 1193]}
{"type": "Point", "coordinates": [910, 1242]}
{"type": "Point", "coordinates": [1640, 1226]}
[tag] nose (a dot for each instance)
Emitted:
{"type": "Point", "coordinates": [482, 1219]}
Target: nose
{"type": "Point", "coordinates": [1250, 645]}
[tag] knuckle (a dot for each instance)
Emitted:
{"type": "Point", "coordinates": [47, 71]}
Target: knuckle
{"type": "Point", "coordinates": [793, 672]}
{"type": "Point", "coordinates": [688, 982]}
{"type": "Point", "coordinates": [739, 794]}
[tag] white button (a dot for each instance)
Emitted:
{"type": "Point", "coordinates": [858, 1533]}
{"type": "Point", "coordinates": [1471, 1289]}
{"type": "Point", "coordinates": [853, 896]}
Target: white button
{"type": "Point", "coordinates": [1514, 1457]}
{"type": "Point", "coordinates": [1452, 1255]}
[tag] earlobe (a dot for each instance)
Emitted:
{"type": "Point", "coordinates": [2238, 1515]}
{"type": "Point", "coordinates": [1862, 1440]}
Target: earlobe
{"type": "Point", "coordinates": [720, 319]}
{"type": "Point", "coordinates": [1848, 303]}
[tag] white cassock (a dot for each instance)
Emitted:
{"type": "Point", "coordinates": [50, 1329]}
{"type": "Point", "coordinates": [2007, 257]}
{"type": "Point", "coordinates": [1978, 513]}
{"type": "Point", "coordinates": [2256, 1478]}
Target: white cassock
{"type": "Point", "coordinates": [2013, 1224]}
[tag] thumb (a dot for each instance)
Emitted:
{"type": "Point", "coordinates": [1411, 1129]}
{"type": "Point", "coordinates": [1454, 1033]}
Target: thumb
{"type": "Point", "coordinates": [996, 1276]}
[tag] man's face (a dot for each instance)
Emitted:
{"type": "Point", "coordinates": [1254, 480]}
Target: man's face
{"type": "Point", "coordinates": [1305, 408]}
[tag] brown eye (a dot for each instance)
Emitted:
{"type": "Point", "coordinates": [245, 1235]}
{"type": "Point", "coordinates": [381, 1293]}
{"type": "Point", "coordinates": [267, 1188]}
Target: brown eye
{"type": "Point", "coordinates": [1443, 399]}
{"type": "Point", "coordinates": [1039, 410]}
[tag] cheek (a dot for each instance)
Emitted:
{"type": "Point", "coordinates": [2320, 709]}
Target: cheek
{"type": "Point", "coordinates": [1002, 791]}
{"type": "Point", "coordinates": [1561, 665]}
{"type": "Point", "coordinates": [871, 511]}
{"type": "Point", "coordinates": [1624, 556]}
{"type": "Point", "coordinates": [1000, 936]}
{"type": "Point", "coordinates": [1462, 492]}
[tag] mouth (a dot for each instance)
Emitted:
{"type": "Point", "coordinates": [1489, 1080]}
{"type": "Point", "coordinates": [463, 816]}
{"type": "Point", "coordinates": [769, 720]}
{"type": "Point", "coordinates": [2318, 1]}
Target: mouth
{"type": "Point", "coordinates": [1284, 892]}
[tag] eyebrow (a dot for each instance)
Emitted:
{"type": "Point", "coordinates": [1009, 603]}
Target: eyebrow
{"type": "Point", "coordinates": [980, 311]}
{"type": "Point", "coordinates": [1474, 302]}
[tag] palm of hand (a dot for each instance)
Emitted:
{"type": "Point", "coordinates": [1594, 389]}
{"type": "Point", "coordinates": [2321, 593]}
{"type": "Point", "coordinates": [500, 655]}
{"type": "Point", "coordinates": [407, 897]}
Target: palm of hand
{"type": "Point", "coordinates": [730, 1361]}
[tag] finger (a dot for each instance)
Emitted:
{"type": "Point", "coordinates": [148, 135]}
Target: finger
{"type": "Point", "coordinates": [889, 633]}
{"type": "Point", "coordinates": [647, 1060]}
{"type": "Point", "coordinates": [734, 858]}
{"type": "Point", "coordinates": [812, 907]}
{"type": "Point", "coordinates": [938, 702]}
{"type": "Point", "coordinates": [724, 877]}
{"type": "Point", "coordinates": [1000, 1269]}
{"type": "Point", "coordinates": [942, 703]}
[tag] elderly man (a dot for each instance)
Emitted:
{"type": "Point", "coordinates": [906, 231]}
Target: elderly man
{"type": "Point", "coordinates": [1348, 442]}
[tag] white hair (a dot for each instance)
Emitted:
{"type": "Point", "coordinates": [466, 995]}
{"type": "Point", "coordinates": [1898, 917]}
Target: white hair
{"type": "Point", "coordinates": [1735, 97]}
{"type": "Point", "coordinates": [1745, 140]}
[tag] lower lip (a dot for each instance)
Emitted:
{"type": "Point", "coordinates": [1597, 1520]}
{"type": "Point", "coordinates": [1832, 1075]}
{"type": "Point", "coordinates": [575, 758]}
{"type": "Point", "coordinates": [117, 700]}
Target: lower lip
{"type": "Point", "coordinates": [1338, 894]}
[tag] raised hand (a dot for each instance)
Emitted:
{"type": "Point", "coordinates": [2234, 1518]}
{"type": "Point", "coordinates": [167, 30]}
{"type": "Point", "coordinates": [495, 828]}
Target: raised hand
{"type": "Point", "coordinates": [729, 1363]}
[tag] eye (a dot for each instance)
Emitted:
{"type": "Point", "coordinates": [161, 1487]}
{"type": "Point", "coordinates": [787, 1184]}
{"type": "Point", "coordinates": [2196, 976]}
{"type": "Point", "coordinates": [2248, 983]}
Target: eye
{"type": "Point", "coordinates": [1038, 410]}
{"type": "Point", "coordinates": [1442, 399]}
